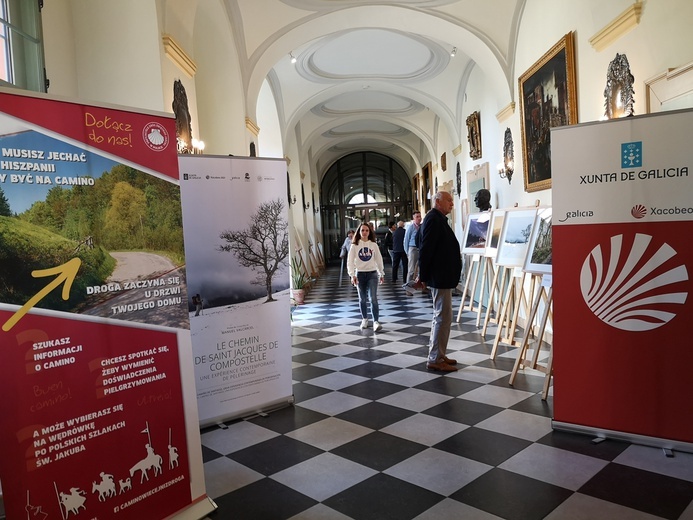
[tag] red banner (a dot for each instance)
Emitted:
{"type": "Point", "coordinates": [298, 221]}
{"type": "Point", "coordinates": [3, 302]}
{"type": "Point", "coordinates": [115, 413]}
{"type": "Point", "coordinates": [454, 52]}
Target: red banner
{"type": "Point", "coordinates": [142, 139]}
{"type": "Point", "coordinates": [94, 418]}
{"type": "Point", "coordinates": [99, 414]}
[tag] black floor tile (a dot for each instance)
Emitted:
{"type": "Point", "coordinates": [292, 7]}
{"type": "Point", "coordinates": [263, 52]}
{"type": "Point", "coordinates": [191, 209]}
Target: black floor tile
{"type": "Point", "coordinates": [512, 496]}
{"type": "Point", "coordinates": [265, 499]}
{"type": "Point", "coordinates": [305, 391]}
{"type": "Point", "coordinates": [378, 450]}
{"type": "Point", "coordinates": [372, 389]}
{"type": "Point", "coordinates": [209, 454]}
{"type": "Point", "coordinates": [646, 491]}
{"type": "Point", "coordinates": [288, 419]}
{"type": "Point", "coordinates": [448, 385]}
{"type": "Point", "coordinates": [382, 497]}
{"type": "Point", "coordinates": [483, 446]}
{"type": "Point", "coordinates": [372, 370]}
{"type": "Point", "coordinates": [275, 454]}
{"type": "Point", "coordinates": [308, 372]}
{"type": "Point", "coordinates": [375, 415]}
{"type": "Point", "coordinates": [535, 405]}
{"type": "Point", "coordinates": [463, 411]}
{"type": "Point", "coordinates": [607, 449]}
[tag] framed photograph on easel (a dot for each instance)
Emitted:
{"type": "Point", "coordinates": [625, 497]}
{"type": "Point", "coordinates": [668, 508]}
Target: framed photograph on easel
{"type": "Point", "coordinates": [514, 238]}
{"type": "Point", "coordinates": [539, 253]}
{"type": "Point", "coordinates": [475, 233]}
{"type": "Point", "coordinates": [494, 232]}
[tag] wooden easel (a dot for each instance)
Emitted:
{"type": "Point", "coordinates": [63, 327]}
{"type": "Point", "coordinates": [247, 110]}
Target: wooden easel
{"type": "Point", "coordinates": [473, 272]}
{"type": "Point", "coordinates": [514, 298]}
{"type": "Point", "coordinates": [545, 294]}
{"type": "Point", "coordinates": [487, 276]}
{"type": "Point", "coordinates": [501, 275]}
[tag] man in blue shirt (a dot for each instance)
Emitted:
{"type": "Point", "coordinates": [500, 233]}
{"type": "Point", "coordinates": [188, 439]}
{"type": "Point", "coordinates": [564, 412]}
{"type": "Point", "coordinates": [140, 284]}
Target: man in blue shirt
{"type": "Point", "coordinates": [412, 248]}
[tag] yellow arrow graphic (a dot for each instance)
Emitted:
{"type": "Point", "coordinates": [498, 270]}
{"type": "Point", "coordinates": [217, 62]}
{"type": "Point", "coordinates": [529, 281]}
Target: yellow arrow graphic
{"type": "Point", "coordinates": [65, 273]}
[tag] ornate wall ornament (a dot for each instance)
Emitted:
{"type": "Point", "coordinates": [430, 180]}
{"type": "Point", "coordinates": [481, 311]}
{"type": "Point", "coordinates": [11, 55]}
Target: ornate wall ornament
{"type": "Point", "coordinates": [618, 94]}
{"type": "Point", "coordinates": [474, 135]}
{"type": "Point", "coordinates": [458, 178]}
{"type": "Point", "coordinates": [183, 119]}
{"type": "Point", "coordinates": [508, 155]}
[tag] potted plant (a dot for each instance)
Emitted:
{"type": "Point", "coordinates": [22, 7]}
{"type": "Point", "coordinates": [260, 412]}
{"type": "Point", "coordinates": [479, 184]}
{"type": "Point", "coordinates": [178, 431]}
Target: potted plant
{"type": "Point", "coordinates": [298, 280]}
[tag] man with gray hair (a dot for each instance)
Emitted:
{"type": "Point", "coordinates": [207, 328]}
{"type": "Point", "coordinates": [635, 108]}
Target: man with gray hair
{"type": "Point", "coordinates": [440, 268]}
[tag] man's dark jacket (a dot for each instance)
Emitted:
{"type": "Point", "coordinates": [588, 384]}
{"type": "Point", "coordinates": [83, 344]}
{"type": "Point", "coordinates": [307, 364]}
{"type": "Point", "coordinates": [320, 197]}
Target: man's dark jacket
{"type": "Point", "coordinates": [440, 262]}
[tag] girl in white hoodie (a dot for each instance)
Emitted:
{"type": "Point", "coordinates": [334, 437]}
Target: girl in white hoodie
{"type": "Point", "coordinates": [365, 267]}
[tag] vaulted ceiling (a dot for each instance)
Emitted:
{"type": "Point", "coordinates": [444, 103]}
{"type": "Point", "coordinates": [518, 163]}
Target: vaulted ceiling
{"type": "Point", "coordinates": [383, 77]}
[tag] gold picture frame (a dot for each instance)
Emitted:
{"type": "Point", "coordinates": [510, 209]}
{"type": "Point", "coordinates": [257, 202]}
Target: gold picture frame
{"type": "Point", "coordinates": [474, 135]}
{"type": "Point", "coordinates": [548, 98]}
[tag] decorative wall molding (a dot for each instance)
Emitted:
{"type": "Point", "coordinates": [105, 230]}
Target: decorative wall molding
{"type": "Point", "coordinates": [506, 112]}
{"type": "Point", "coordinates": [179, 56]}
{"type": "Point", "coordinates": [303, 176]}
{"type": "Point", "coordinates": [671, 89]}
{"type": "Point", "coordinates": [457, 150]}
{"type": "Point", "coordinates": [619, 26]}
{"type": "Point", "coordinates": [252, 127]}
{"type": "Point", "coordinates": [288, 160]}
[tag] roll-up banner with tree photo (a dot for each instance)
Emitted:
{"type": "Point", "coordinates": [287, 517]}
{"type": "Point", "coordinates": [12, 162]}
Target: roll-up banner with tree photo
{"type": "Point", "coordinates": [99, 415]}
{"type": "Point", "coordinates": [622, 267]}
{"type": "Point", "coordinates": [236, 226]}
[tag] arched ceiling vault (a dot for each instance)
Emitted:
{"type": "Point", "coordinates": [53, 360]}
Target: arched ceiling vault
{"type": "Point", "coordinates": [379, 77]}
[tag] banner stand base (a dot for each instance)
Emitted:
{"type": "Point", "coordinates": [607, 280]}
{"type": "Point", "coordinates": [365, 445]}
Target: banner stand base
{"type": "Point", "coordinates": [666, 444]}
{"type": "Point", "coordinates": [195, 511]}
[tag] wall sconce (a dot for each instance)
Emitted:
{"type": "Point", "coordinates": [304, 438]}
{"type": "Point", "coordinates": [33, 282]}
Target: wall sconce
{"type": "Point", "coordinates": [292, 57]}
{"type": "Point", "coordinates": [507, 167]}
{"type": "Point", "coordinates": [316, 210]}
{"type": "Point", "coordinates": [198, 147]}
{"type": "Point", "coordinates": [306, 206]}
{"type": "Point", "coordinates": [292, 201]}
{"type": "Point", "coordinates": [453, 52]}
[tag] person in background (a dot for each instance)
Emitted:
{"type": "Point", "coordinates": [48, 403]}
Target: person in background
{"type": "Point", "coordinates": [411, 247]}
{"type": "Point", "coordinates": [387, 242]}
{"type": "Point", "coordinates": [344, 251]}
{"type": "Point", "coordinates": [197, 302]}
{"type": "Point", "coordinates": [440, 268]}
{"type": "Point", "coordinates": [398, 253]}
{"type": "Point", "coordinates": [365, 267]}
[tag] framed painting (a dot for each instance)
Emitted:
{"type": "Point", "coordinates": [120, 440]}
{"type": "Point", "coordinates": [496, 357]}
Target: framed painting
{"type": "Point", "coordinates": [514, 238]}
{"type": "Point", "coordinates": [548, 98]}
{"type": "Point", "coordinates": [475, 232]}
{"type": "Point", "coordinates": [538, 259]}
{"type": "Point", "coordinates": [494, 232]}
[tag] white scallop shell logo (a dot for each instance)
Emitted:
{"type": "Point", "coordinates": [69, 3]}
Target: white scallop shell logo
{"type": "Point", "coordinates": [155, 136]}
{"type": "Point", "coordinates": [634, 285]}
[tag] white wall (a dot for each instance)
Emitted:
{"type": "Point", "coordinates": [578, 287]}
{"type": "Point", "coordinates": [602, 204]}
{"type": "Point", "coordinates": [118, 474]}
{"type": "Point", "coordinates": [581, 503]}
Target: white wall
{"type": "Point", "coordinates": [270, 138]}
{"type": "Point", "coordinates": [662, 40]}
{"type": "Point", "coordinates": [220, 96]}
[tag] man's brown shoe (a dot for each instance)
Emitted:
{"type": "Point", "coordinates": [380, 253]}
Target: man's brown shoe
{"type": "Point", "coordinates": [441, 367]}
{"type": "Point", "coordinates": [450, 361]}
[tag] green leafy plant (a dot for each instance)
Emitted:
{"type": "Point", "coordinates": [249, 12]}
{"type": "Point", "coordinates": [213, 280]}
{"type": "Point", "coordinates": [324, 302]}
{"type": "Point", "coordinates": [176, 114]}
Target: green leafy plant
{"type": "Point", "coordinates": [298, 276]}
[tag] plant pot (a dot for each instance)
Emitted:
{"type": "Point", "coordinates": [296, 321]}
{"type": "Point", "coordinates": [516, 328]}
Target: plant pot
{"type": "Point", "coordinates": [298, 295]}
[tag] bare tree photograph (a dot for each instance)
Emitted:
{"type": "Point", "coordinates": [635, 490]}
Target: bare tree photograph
{"type": "Point", "coordinates": [263, 246]}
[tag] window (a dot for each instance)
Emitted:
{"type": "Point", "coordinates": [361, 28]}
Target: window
{"type": "Point", "coordinates": [21, 45]}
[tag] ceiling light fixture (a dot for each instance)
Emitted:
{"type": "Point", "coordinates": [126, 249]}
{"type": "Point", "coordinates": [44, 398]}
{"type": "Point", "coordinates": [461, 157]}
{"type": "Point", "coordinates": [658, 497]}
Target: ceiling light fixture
{"type": "Point", "coordinates": [293, 58]}
{"type": "Point", "coordinates": [453, 52]}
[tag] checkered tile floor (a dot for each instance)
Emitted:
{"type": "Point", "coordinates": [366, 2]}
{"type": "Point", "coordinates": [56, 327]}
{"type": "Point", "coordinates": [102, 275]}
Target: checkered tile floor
{"type": "Point", "coordinates": [374, 435]}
